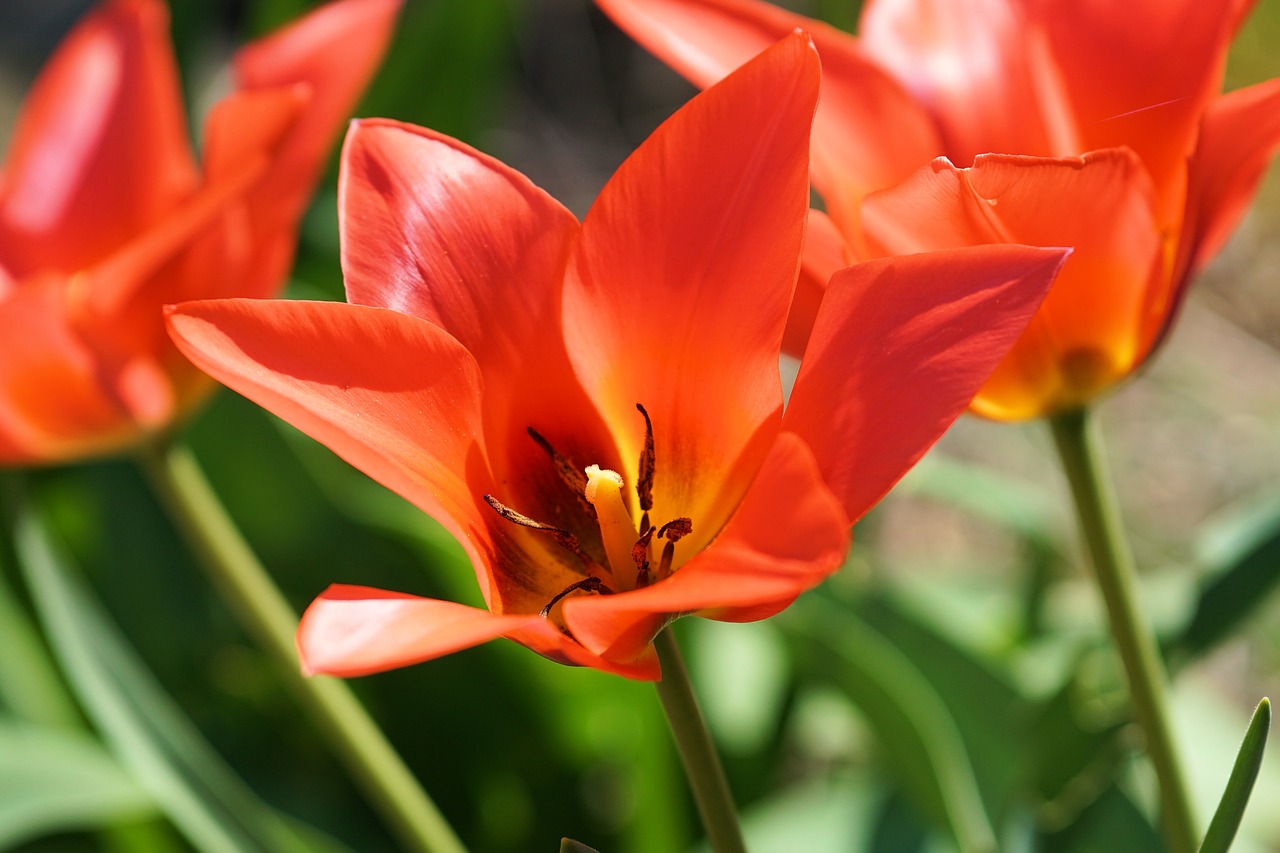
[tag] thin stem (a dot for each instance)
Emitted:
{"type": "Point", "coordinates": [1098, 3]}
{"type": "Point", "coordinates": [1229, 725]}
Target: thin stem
{"type": "Point", "coordinates": [1080, 450]}
{"type": "Point", "coordinates": [265, 614]}
{"type": "Point", "coordinates": [697, 752]}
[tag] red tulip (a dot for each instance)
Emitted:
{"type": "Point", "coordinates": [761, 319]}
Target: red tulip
{"type": "Point", "coordinates": [595, 410]}
{"type": "Point", "coordinates": [105, 216]}
{"type": "Point", "coordinates": [1051, 79]}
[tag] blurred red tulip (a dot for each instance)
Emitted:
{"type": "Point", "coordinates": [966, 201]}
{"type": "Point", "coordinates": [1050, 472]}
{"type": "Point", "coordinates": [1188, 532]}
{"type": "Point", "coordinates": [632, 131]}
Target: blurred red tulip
{"type": "Point", "coordinates": [105, 216]}
{"type": "Point", "coordinates": [494, 347]}
{"type": "Point", "coordinates": [1054, 79]}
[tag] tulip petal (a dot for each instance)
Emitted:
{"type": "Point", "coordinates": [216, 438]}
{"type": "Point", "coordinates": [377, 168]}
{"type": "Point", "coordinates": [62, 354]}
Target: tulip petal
{"type": "Point", "coordinates": [334, 52]}
{"type": "Point", "coordinates": [824, 254]}
{"type": "Point", "coordinates": [101, 149]}
{"type": "Point", "coordinates": [350, 631]}
{"type": "Point", "coordinates": [1089, 332]}
{"type": "Point", "coordinates": [868, 133]}
{"type": "Point", "coordinates": [787, 536]}
{"type": "Point", "coordinates": [42, 351]}
{"type": "Point", "coordinates": [394, 396]}
{"type": "Point", "coordinates": [678, 288]}
{"type": "Point", "coordinates": [1238, 137]}
{"type": "Point", "coordinates": [433, 228]}
{"type": "Point", "coordinates": [968, 60]}
{"type": "Point", "coordinates": [1140, 75]}
{"type": "Point", "coordinates": [356, 630]}
{"type": "Point", "coordinates": [900, 347]}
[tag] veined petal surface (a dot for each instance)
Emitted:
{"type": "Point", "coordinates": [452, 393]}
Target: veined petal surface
{"type": "Point", "coordinates": [679, 285]}
{"type": "Point", "coordinates": [899, 348]}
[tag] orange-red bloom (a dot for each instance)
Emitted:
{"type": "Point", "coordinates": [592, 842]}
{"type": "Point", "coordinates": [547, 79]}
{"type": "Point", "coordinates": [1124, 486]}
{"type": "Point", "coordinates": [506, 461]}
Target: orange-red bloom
{"type": "Point", "coordinates": [105, 217]}
{"type": "Point", "coordinates": [1169, 167]}
{"type": "Point", "coordinates": [595, 409]}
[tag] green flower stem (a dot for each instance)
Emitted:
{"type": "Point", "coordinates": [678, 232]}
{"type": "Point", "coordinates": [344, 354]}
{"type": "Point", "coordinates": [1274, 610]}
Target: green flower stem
{"type": "Point", "coordinates": [697, 752]}
{"type": "Point", "coordinates": [1080, 450]}
{"type": "Point", "coordinates": [268, 618]}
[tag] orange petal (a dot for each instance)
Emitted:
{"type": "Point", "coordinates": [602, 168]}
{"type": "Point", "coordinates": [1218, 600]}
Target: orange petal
{"type": "Point", "coordinates": [869, 132]}
{"type": "Point", "coordinates": [433, 228]}
{"type": "Point", "coordinates": [54, 404]}
{"type": "Point", "coordinates": [1088, 335]}
{"type": "Point", "coordinates": [787, 536]}
{"type": "Point", "coordinates": [899, 349]}
{"type": "Point", "coordinates": [334, 52]}
{"type": "Point", "coordinates": [969, 61]}
{"type": "Point", "coordinates": [356, 630]}
{"type": "Point", "coordinates": [824, 253]}
{"type": "Point", "coordinates": [1139, 74]}
{"type": "Point", "coordinates": [678, 288]}
{"type": "Point", "coordinates": [394, 396]}
{"type": "Point", "coordinates": [100, 150]}
{"type": "Point", "coordinates": [1239, 136]}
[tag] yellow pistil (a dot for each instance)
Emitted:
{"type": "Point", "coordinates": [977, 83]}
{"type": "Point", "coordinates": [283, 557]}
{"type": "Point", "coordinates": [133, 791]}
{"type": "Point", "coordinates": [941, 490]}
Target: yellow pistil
{"type": "Point", "coordinates": [617, 530]}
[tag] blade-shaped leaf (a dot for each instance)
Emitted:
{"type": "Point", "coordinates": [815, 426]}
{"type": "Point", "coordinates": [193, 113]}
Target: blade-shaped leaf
{"type": "Point", "coordinates": [1226, 820]}
{"type": "Point", "coordinates": [1244, 569]}
{"type": "Point", "coordinates": [142, 725]}
{"type": "Point", "coordinates": [58, 780]}
{"type": "Point", "coordinates": [911, 722]}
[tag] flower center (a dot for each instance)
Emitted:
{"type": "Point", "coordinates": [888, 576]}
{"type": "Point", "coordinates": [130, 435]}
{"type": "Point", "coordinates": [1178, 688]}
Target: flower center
{"type": "Point", "coordinates": [628, 548]}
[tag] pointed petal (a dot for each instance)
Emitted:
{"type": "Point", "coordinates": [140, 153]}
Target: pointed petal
{"type": "Point", "coordinates": [327, 58]}
{"type": "Point", "coordinates": [1238, 137]}
{"type": "Point", "coordinates": [101, 150]}
{"type": "Point", "coordinates": [394, 396]}
{"type": "Point", "coordinates": [334, 52]}
{"type": "Point", "coordinates": [356, 630]}
{"type": "Point", "coordinates": [434, 228]}
{"type": "Point", "coordinates": [1140, 75]}
{"type": "Point", "coordinates": [679, 286]}
{"type": "Point", "coordinates": [968, 60]}
{"type": "Point", "coordinates": [787, 536]}
{"type": "Point", "coordinates": [869, 132]}
{"type": "Point", "coordinates": [824, 254]}
{"type": "Point", "coordinates": [899, 349]}
{"type": "Point", "coordinates": [1089, 333]}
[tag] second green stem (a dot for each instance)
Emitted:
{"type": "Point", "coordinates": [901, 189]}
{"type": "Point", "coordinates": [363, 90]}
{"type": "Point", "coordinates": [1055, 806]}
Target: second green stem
{"type": "Point", "coordinates": [267, 616]}
{"type": "Point", "coordinates": [1083, 462]}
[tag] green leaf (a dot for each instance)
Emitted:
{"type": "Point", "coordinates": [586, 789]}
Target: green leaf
{"type": "Point", "coordinates": [911, 722]}
{"type": "Point", "coordinates": [29, 683]}
{"type": "Point", "coordinates": [1226, 820]}
{"type": "Point", "coordinates": [1243, 556]}
{"type": "Point", "coordinates": [57, 780]}
{"type": "Point", "coordinates": [150, 735]}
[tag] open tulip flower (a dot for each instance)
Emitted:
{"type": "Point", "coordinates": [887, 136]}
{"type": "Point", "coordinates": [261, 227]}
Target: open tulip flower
{"type": "Point", "coordinates": [105, 217]}
{"type": "Point", "coordinates": [1140, 163]}
{"type": "Point", "coordinates": [595, 409]}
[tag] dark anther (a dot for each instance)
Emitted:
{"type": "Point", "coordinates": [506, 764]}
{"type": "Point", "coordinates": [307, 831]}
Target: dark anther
{"type": "Point", "coordinates": [668, 554]}
{"type": "Point", "coordinates": [563, 538]}
{"type": "Point", "coordinates": [571, 474]}
{"type": "Point", "coordinates": [644, 488]}
{"type": "Point", "coordinates": [591, 584]}
{"type": "Point", "coordinates": [640, 553]}
{"type": "Point", "coordinates": [676, 529]}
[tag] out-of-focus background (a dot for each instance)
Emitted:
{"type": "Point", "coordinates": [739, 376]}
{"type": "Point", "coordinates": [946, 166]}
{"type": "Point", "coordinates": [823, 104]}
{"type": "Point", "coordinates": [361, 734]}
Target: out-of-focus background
{"type": "Point", "coordinates": [953, 679]}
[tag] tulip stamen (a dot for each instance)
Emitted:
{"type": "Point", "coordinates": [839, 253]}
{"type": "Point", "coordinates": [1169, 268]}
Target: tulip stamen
{"type": "Point", "coordinates": [570, 474]}
{"type": "Point", "coordinates": [640, 555]}
{"type": "Point", "coordinates": [563, 538]}
{"type": "Point", "coordinates": [648, 460]}
{"type": "Point", "coordinates": [590, 584]}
